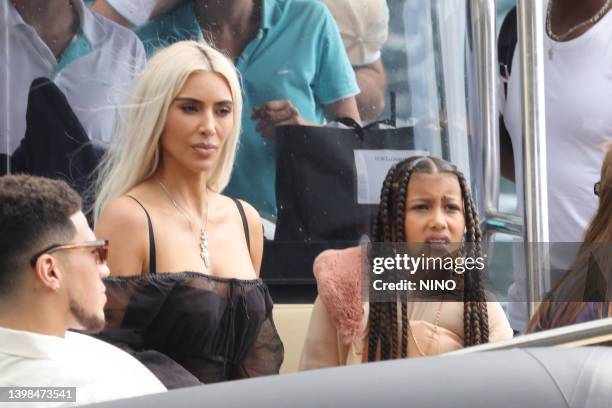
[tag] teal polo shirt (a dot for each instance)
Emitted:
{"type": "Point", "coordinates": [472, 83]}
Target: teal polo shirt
{"type": "Point", "coordinates": [297, 54]}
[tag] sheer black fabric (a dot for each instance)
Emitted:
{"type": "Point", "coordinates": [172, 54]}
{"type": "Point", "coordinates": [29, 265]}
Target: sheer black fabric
{"type": "Point", "coordinates": [188, 327]}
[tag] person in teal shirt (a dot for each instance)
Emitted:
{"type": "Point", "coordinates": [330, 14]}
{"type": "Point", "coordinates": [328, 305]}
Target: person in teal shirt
{"type": "Point", "coordinates": [293, 66]}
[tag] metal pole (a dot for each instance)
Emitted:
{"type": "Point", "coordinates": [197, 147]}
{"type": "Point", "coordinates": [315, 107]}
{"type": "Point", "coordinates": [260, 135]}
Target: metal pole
{"type": "Point", "coordinates": [530, 41]}
{"type": "Point", "coordinates": [483, 24]}
{"type": "Point", "coordinates": [485, 55]}
{"type": "Point", "coordinates": [4, 91]}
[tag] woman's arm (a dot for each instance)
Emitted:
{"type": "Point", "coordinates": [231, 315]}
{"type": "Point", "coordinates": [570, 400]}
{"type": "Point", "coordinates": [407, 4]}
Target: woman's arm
{"type": "Point", "coordinates": [124, 223]}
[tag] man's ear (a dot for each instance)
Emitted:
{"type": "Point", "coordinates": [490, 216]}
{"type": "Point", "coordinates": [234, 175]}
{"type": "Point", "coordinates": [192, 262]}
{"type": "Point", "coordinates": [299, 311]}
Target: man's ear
{"type": "Point", "coordinates": [48, 272]}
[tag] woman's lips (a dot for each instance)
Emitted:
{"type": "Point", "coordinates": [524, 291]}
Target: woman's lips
{"type": "Point", "coordinates": [204, 149]}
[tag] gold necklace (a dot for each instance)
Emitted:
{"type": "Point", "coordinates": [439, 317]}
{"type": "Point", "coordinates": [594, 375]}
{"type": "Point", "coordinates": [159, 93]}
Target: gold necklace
{"type": "Point", "coordinates": [433, 333]}
{"type": "Point", "coordinates": [204, 254]}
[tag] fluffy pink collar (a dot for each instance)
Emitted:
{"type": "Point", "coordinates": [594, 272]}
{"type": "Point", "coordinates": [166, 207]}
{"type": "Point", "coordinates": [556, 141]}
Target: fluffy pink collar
{"type": "Point", "coordinates": [338, 275]}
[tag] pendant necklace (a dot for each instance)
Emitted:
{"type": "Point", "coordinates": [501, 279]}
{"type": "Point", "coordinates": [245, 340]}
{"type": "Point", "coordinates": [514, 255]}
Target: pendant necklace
{"type": "Point", "coordinates": [204, 254]}
{"type": "Point", "coordinates": [433, 333]}
{"type": "Point", "coordinates": [561, 37]}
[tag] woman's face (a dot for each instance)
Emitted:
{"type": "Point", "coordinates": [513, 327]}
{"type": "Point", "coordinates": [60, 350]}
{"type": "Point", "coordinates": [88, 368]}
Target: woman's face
{"type": "Point", "coordinates": [434, 209]}
{"type": "Point", "coordinates": [199, 122]}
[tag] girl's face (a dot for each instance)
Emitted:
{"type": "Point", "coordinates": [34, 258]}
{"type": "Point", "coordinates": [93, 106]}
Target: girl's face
{"type": "Point", "coordinates": [434, 209]}
{"type": "Point", "coordinates": [198, 123]}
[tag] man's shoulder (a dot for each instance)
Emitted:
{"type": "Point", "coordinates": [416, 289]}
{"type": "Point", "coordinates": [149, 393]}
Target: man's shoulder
{"type": "Point", "coordinates": [79, 341]}
{"type": "Point", "coordinates": [98, 350]}
{"type": "Point", "coordinates": [113, 34]}
{"type": "Point", "coordinates": [289, 19]}
{"type": "Point", "coordinates": [108, 359]}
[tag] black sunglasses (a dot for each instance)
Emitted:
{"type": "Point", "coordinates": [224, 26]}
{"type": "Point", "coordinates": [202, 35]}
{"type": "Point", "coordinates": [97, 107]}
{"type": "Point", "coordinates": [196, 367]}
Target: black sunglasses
{"type": "Point", "coordinates": [99, 246]}
{"type": "Point", "coordinates": [596, 188]}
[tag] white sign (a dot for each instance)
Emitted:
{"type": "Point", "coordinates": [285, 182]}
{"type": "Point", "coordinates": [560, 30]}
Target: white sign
{"type": "Point", "coordinates": [372, 167]}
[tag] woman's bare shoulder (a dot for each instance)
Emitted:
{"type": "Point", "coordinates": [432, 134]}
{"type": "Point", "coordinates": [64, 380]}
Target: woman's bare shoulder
{"type": "Point", "coordinates": [251, 214]}
{"type": "Point", "coordinates": [122, 212]}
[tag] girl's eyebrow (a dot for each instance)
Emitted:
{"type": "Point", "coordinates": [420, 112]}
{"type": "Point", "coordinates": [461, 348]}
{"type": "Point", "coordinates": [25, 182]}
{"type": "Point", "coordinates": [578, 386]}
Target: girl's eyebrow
{"type": "Point", "coordinates": [421, 197]}
{"type": "Point", "coordinates": [428, 197]}
{"type": "Point", "coordinates": [448, 198]}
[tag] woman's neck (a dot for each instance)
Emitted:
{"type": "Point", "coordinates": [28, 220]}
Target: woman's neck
{"type": "Point", "coordinates": [187, 189]}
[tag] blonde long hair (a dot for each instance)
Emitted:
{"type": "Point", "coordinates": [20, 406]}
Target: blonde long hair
{"type": "Point", "coordinates": [134, 154]}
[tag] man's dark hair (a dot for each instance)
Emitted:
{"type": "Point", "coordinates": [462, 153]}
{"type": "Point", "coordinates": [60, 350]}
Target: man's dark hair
{"type": "Point", "coordinates": [34, 213]}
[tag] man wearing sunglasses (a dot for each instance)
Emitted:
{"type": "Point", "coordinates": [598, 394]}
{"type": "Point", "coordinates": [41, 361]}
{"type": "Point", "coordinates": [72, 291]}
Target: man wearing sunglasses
{"type": "Point", "coordinates": [51, 270]}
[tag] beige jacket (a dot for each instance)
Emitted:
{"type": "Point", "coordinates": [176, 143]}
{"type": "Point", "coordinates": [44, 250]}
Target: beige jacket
{"type": "Point", "coordinates": [338, 331]}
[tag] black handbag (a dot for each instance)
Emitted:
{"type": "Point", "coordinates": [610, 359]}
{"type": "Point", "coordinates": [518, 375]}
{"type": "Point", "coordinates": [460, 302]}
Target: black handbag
{"type": "Point", "coordinates": [319, 185]}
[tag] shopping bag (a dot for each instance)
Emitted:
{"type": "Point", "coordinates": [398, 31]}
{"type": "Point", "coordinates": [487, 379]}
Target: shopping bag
{"type": "Point", "coordinates": [328, 180]}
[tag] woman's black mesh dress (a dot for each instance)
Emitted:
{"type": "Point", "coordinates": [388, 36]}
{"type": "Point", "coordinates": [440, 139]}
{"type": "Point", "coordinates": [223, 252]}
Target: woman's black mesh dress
{"type": "Point", "coordinates": [189, 328]}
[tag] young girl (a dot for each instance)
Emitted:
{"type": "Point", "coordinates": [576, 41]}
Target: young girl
{"type": "Point", "coordinates": [424, 200]}
{"type": "Point", "coordinates": [184, 294]}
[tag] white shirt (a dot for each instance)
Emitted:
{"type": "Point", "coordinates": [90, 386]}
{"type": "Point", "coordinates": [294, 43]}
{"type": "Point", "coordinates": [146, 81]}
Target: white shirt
{"type": "Point", "coordinates": [95, 72]}
{"type": "Point", "coordinates": [578, 91]}
{"type": "Point", "coordinates": [98, 370]}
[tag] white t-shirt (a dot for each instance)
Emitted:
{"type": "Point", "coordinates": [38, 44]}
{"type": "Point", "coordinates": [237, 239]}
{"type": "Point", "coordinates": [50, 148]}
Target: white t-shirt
{"type": "Point", "coordinates": [98, 370]}
{"type": "Point", "coordinates": [364, 27]}
{"type": "Point", "coordinates": [578, 89]}
{"type": "Point", "coordinates": [95, 72]}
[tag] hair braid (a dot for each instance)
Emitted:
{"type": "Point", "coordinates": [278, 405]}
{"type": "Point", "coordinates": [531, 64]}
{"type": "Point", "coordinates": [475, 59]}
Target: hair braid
{"type": "Point", "coordinates": [393, 329]}
{"type": "Point", "coordinates": [384, 332]}
{"type": "Point", "coordinates": [385, 209]}
{"type": "Point", "coordinates": [381, 232]}
{"type": "Point", "coordinates": [404, 342]}
{"type": "Point", "coordinates": [373, 331]}
{"type": "Point", "coordinates": [476, 325]}
{"type": "Point", "coordinates": [400, 207]}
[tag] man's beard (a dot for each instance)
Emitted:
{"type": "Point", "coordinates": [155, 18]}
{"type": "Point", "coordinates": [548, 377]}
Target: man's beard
{"type": "Point", "coordinates": [89, 323]}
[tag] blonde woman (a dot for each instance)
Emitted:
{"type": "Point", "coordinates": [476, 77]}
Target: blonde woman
{"type": "Point", "coordinates": [184, 293]}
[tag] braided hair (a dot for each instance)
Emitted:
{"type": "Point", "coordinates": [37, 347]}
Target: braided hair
{"type": "Point", "coordinates": [383, 339]}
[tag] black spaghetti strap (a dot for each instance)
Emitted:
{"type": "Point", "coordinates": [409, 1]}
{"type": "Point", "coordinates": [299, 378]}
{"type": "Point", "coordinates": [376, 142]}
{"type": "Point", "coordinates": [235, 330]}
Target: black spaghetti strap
{"type": "Point", "coordinates": [245, 223]}
{"type": "Point", "coordinates": [152, 258]}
